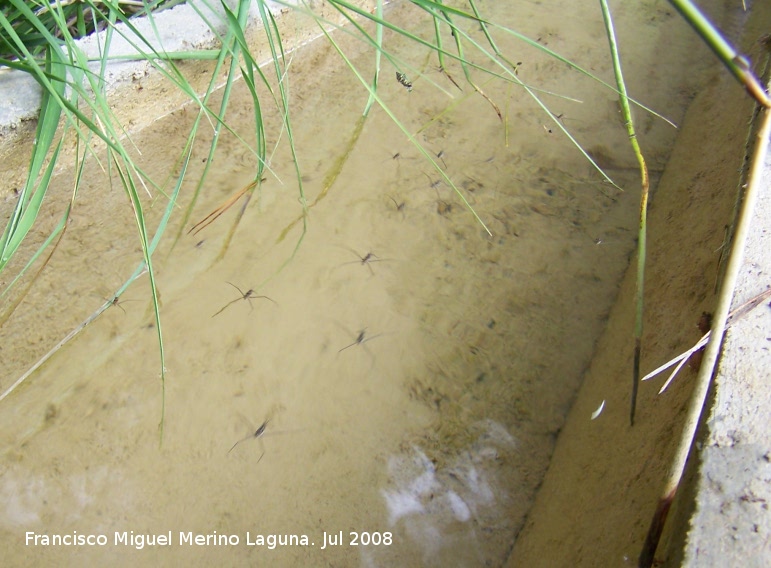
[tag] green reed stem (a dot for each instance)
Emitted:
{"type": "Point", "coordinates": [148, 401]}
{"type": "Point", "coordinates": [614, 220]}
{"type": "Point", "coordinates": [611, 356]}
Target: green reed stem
{"type": "Point", "coordinates": [644, 181]}
{"type": "Point", "coordinates": [736, 63]}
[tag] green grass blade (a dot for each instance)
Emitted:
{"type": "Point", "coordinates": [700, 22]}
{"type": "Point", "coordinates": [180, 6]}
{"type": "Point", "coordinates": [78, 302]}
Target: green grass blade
{"type": "Point", "coordinates": [18, 231]}
{"type": "Point", "coordinates": [378, 53]}
{"type": "Point", "coordinates": [139, 216]}
{"type": "Point", "coordinates": [232, 45]}
{"type": "Point", "coordinates": [30, 198]}
{"type": "Point", "coordinates": [276, 48]}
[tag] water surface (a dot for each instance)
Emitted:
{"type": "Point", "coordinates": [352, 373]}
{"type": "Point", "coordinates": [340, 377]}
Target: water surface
{"type": "Point", "coordinates": [414, 370]}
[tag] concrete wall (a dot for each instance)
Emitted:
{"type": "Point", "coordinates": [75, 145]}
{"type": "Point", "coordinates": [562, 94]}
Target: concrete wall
{"type": "Point", "coordinates": [598, 499]}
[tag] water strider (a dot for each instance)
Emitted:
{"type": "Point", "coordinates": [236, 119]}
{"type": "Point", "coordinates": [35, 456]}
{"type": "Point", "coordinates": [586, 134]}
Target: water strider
{"type": "Point", "coordinates": [366, 259]}
{"type": "Point", "coordinates": [257, 433]}
{"type": "Point", "coordinates": [248, 295]}
{"type": "Point", "coordinates": [360, 339]}
{"type": "Point", "coordinates": [397, 157]}
{"type": "Point", "coordinates": [116, 301]}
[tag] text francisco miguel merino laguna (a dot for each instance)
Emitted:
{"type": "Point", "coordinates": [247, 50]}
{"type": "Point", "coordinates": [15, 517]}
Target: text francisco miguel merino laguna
{"type": "Point", "coordinates": [139, 541]}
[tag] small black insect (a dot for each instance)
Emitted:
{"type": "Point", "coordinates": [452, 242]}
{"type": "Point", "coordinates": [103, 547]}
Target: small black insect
{"type": "Point", "coordinates": [402, 78]}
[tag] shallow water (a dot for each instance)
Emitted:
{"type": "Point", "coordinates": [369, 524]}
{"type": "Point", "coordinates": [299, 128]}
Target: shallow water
{"type": "Point", "coordinates": [417, 394]}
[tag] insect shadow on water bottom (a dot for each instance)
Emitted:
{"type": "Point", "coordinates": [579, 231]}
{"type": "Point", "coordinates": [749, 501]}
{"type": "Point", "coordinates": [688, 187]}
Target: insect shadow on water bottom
{"type": "Point", "coordinates": [442, 207]}
{"type": "Point", "coordinates": [398, 205]}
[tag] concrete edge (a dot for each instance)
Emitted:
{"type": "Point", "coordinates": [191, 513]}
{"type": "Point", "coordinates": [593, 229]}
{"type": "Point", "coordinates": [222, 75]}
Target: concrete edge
{"type": "Point", "coordinates": [186, 27]}
{"type": "Point", "coordinates": [721, 515]}
{"type": "Point", "coordinates": [136, 92]}
{"type": "Point", "coordinates": [181, 28]}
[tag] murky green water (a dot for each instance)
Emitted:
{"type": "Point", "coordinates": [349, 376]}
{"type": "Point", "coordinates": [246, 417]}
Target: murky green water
{"type": "Point", "coordinates": [414, 370]}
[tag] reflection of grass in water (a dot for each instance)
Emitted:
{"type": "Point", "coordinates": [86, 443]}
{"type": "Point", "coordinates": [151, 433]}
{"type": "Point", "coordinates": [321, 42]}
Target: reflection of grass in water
{"type": "Point", "coordinates": [87, 115]}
